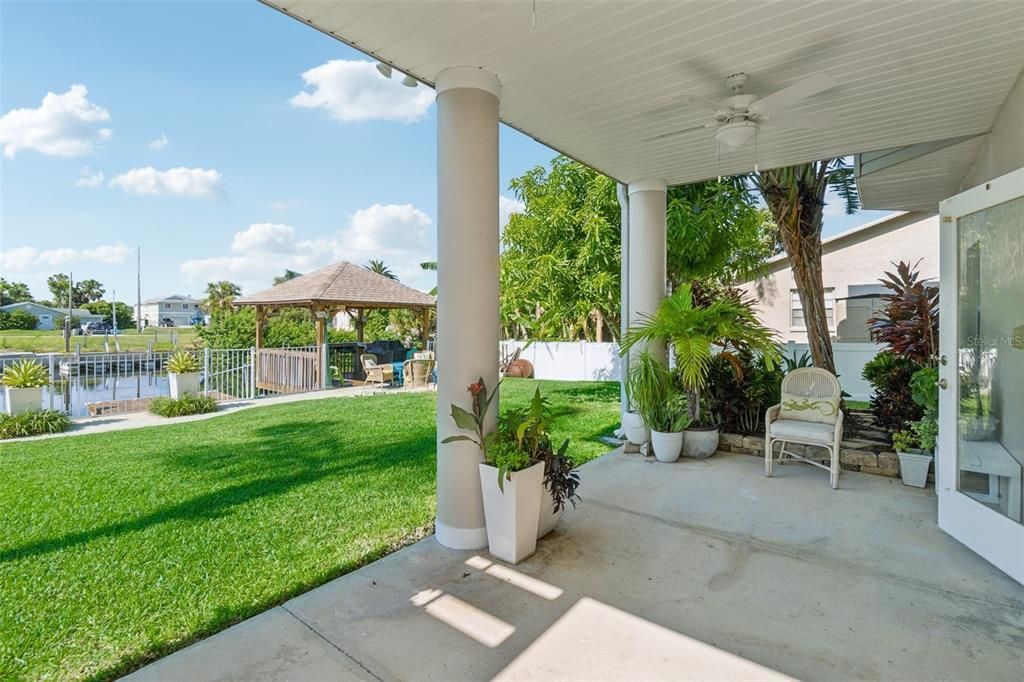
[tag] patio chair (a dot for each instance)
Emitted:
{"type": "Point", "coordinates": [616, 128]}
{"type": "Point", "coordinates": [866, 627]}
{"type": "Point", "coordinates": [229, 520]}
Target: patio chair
{"type": "Point", "coordinates": [418, 372]}
{"type": "Point", "coordinates": [809, 414]}
{"type": "Point", "coordinates": [376, 375]}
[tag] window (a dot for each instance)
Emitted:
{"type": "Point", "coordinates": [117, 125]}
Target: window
{"type": "Point", "coordinates": [797, 310]}
{"type": "Point", "coordinates": [167, 306]}
{"type": "Point", "coordinates": [184, 306]}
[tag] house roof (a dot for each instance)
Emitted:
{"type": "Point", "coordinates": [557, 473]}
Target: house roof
{"type": "Point", "coordinates": [600, 81]}
{"type": "Point", "coordinates": [176, 298]}
{"type": "Point", "coordinates": [342, 285]}
{"type": "Point", "coordinates": [75, 312]}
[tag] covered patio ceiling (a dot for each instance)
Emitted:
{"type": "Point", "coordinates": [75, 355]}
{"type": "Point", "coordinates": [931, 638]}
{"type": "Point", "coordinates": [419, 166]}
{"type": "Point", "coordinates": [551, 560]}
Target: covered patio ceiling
{"type": "Point", "coordinates": [595, 79]}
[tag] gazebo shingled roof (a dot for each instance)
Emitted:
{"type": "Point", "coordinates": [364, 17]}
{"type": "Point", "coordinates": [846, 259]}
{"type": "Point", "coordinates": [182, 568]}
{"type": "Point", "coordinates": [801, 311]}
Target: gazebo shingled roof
{"type": "Point", "coordinates": [341, 285]}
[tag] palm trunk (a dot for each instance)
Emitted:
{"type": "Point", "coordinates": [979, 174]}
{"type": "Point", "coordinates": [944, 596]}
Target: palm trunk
{"type": "Point", "coordinates": [795, 196]}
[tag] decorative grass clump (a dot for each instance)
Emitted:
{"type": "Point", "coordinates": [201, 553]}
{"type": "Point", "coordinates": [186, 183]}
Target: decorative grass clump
{"type": "Point", "coordinates": [185, 405]}
{"type": "Point", "coordinates": [34, 423]}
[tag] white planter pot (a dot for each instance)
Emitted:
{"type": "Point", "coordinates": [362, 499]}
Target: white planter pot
{"type": "Point", "coordinates": [667, 446]}
{"type": "Point", "coordinates": [512, 516]}
{"type": "Point", "coordinates": [20, 400]}
{"type": "Point", "coordinates": [548, 516]}
{"type": "Point", "coordinates": [636, 431]}
{"type": "Point", "coordinates": [700, 443]}
{"type": "Point", "coordinates": [914, 468]}
{"type": "Point", "coordinates": [183, 383]}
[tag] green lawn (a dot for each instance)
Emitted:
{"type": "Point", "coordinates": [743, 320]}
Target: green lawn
{"type": "Point", "coordinates": [53, 341]}
{"type": "Point", "coordinates": [117, 548]}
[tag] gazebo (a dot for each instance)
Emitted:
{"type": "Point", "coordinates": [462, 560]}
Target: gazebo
{"type": "Point", "coordinates": [334, 288]}
{"type": "Point", "coordinates": [325, 292]}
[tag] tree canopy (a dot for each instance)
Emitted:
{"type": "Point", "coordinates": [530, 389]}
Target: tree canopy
{"type": "Point", "coordinates": [13, 292]}
{"type": "Point", "coordinates": [219, 295]}
{"type": "Point", "coordinates": [83, 292]}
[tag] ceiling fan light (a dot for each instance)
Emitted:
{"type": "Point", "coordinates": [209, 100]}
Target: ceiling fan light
{"type": "Point", "coordinates": [384, 69]}
{"type": "Point", "coordinates": [735, 135]}
{"type": "Point", "coordinates": [410, 82]}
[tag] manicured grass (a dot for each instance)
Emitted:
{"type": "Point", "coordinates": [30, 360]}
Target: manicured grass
{"type": "Point", "coordinates": [53, 341]}
{"type": "Point", "coordinates": [117, 548]}
{"type": "Point", "coordinates": [858, 404]}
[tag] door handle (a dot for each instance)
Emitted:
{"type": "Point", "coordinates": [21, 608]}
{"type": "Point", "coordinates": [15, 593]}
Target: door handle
{"type": "Point", "coordinates": [943, 384]}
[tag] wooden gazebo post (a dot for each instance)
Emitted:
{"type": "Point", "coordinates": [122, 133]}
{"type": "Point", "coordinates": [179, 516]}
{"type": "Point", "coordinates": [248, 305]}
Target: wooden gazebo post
{"type": "Point", "coordinates": [426, 328]}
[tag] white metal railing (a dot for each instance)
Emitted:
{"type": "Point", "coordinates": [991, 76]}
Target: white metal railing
{"type": "Point", "coordinates": [228, 373]}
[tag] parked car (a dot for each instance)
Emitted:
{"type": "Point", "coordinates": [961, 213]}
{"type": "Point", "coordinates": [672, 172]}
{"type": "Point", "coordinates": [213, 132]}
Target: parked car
{"type": "Point", "coordinates": [167, 322]}
{"type": "Point", "coordinates": [102, 327]}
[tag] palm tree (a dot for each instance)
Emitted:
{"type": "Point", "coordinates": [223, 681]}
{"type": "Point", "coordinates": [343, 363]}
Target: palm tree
{"type": "Point", "coordinates": [430, 266]}
{"type": "Point", "coordinates": [288, 274]}
{"type": "Point", "coordinates": [796, 197]}
{"type": "Point", "coordinates": [219, 295]}
{"type": "Point", "coordinates": [694, 330]}
{"type": "Point", "coordinates": [381, 268]}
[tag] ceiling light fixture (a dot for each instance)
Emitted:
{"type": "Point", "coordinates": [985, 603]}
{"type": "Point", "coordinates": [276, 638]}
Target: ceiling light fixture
{"type": "Point", "coordinates": [410, 82]}
{"type": "Point", "coordinates": [384, 69]}
{"type": "Point", "coordinates": [735, 135]}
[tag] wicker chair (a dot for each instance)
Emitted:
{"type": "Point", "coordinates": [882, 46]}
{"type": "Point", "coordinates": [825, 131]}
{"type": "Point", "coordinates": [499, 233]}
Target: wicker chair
{"type": "Point", "coordinates": [809, 414]}
{"type": "Point", "coordinates": [376, 375]}
{"type": "Point", "coordinates": [418, 372]}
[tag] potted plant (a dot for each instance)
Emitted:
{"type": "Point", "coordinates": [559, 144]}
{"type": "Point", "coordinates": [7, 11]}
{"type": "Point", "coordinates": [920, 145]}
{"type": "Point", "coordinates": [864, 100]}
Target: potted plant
{"type": "Point", "coordinates": [695, 330]}
{"type": "Point", "coordinates": [183, 374]}
{"type": "Point", "coordinates": [23, 382]}
{"type": "Point", "coordinates": [658, 405]}
{"type": "Point", "coordinates": [914, 460]}
{"type": "Point", "coordinates": [511, 481]}
{"type": "Point", "coordinates": [529, 431]}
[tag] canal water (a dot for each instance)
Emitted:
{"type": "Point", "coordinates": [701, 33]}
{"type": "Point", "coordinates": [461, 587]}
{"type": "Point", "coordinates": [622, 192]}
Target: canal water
{"type": "Point", "coordinates": [73, 394]}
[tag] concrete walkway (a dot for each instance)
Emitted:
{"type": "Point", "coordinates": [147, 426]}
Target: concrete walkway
{"type": "Point", "coordinates": [139, 420]}
{"type": "Point", "coordinates": [694, 570]}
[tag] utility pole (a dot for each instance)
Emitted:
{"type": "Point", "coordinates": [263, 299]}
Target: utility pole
{"type": "Point", "coordinates": [67, 320]}
{"type": "Point", "coordinates": [138, 289]}
{"type": "Point", "coordinates": [113, 311]}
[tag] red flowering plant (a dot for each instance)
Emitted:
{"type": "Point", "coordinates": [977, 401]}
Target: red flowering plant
{"type": "Point", "coordinates": [474, 421]}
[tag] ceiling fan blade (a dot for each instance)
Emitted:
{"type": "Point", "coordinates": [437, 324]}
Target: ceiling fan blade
{"type": "Point", "coordinates": [680, 132]}
{"type": "Point", "coordinates": [797, 121]}
{"type": "Point", "coordinates": [801, 90]}
{"type": "Point", "coordinates": [697, 100]}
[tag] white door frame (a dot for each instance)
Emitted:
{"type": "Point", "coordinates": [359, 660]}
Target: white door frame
{"type": "Point", "coordinates": [995, 537]}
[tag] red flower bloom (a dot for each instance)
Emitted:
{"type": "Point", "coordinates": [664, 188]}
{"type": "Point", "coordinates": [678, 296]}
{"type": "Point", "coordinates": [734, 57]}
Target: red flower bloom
{"type": "Point", "coordinates": [476, 388]}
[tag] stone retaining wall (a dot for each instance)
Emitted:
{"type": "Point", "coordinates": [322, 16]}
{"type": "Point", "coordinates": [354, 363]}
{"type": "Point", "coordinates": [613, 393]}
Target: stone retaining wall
{"type": "Point", "coordinates": [856, 454]}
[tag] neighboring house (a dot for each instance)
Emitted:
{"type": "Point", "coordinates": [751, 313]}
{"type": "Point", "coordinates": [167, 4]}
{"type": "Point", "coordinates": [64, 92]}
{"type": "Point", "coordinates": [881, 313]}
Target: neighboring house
{"type": "Point", "coordinates": [175, 310]}
{"type": "Point", "coordinates": [51, 318]}
{"type": "Point", "coordinates": [852, 264]}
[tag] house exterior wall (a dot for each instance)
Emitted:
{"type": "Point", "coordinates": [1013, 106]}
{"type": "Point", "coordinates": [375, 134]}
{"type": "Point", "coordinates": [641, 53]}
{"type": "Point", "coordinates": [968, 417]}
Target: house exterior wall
{"type": "Point", "coordinates": [153, 312]}
{"type": "Point", "coordinates": [1003, 150]}
{"type": "Point", "coordinates": [48, 318]}
{"type": "Point", "coordinates": [850, 264]}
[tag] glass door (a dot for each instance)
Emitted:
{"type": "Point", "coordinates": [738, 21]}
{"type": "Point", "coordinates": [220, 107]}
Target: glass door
{"type": "Point", "coordinates": [980, 464]}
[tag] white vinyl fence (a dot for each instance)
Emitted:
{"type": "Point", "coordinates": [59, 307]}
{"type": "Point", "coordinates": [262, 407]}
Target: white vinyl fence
{"type": "Point", "coordinates": [586, 361]}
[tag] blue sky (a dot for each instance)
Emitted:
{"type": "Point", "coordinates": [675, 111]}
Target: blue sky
{"type": "Point", "coordinates": [189, 137]}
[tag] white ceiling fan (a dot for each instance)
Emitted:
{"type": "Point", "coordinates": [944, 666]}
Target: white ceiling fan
{"type": "Point", "coordinates": [738, 117]}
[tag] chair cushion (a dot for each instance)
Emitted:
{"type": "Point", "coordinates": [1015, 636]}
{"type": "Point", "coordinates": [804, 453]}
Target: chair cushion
{"type": "Point", "coordinates": [802, 408]}
{"type": "Point", "coordinates": [793, 428]}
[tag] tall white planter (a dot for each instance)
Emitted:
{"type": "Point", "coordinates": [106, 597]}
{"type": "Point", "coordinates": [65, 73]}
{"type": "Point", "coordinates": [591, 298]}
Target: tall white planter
{"type": "Point", "coordinates": [183, 383]}
{"type": "Point", "coordinates": [512, 516]}
{"type": "Point", "coordinates": [20, 400]}
{"type": "Point", "coordinates": [667, 446]}
{"type": "Point", "coordinates": [548, 516]}
{"type": "Point", "coordinates": [636, 431]}
{"type": "Point", "coordinates": [914, 468]}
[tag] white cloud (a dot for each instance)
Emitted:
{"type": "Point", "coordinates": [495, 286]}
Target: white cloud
{"type": "Point", "coordinates": [159, 143]}
{"type": "Point", "coordinates": [506, 207]}
{"type": "Point", "coordinates": [27, 259]}
{"type": "Point", "coordinates": [400, 234]}
{"type": "Point", "coordinates": [86, 178]}
{"type": "Point", "coordinates": [181, 182]}
{"type": "Point", "coordinates": [353, 90]}
{"type": "Point", "coordinates": [65, 124]}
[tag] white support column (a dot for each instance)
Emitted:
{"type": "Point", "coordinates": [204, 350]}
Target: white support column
{"type": "Point", "coordinates": [467, 287]}
{"type": "Point", "coordinates": [646, 253]}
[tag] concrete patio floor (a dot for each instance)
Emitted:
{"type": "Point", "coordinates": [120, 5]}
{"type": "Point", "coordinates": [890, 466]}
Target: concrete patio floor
{"type": "Point", "coordinates": [694, 570]}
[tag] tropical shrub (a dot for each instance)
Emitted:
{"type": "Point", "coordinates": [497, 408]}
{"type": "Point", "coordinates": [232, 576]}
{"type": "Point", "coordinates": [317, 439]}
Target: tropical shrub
{"type": "Point", "coordinates": [18, 319]}
{"type": "Point", "coordinates": [25, 374]}
{"type": "Point", "coordinates": [695, 329]}
{"type": "Point", "coordinates": [33, 423]}
{"type": "Point", "coordinates": [740, 388]}
{"type": "Point", "coordinates": [892, 404]}
{"type": "Point", "coordinates": [185, 405]}
{"type": "Point", "coordinates": [182, 362]}
{"type": "Point", "coordinates": [904, 441]}
{"type": "Point", "coordinates": [909, 323]}
{"type": "Point", "coordinates": [652, 393]}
